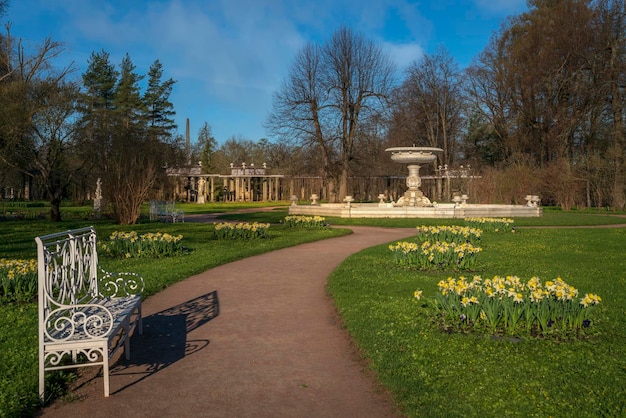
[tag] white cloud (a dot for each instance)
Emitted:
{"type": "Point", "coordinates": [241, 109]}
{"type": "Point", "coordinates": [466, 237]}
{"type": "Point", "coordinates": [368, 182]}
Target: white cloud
{"type": "Point", "coordinates": [403, 54]}
{"type": "Point", "coordinates": [229, 52]}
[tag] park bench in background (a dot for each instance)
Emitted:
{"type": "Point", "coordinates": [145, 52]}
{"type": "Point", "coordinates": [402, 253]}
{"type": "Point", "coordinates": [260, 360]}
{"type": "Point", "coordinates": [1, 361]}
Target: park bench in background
{"type": "Point", "coordinates": [85, 314]}
{"type": "Point", "coordinates": [165, 211]}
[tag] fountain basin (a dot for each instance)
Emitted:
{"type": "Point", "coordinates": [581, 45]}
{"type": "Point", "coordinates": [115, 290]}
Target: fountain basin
{"type": "Point", "coordinates": [440, 210]}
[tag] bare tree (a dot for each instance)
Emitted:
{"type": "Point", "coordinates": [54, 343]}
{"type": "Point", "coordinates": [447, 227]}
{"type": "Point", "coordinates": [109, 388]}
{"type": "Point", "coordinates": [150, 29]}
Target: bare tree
{"type": "Point", "coordinates": [37, 112]}
{"type": "Point", "coordinates": [330, 93]}
{"type": "Point", "coordinates": [300, 108]}
{"type": "Point", "coordinates": [489, 105]}
{"type": "Point", "coordinates": [430, 104]}
{"type": "Point", "coordinates": [359, 77]}
{"type": "Point", "coordinates": [611, 26]}
{"type": "Point", "coordinates": [55, 151]}
{"type": "Point", "coordinates": [549, 90]}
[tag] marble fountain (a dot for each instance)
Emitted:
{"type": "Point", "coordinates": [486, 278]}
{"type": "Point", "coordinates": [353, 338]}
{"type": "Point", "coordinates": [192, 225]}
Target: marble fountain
{"type": "Point", "coordinates": [414, 204]}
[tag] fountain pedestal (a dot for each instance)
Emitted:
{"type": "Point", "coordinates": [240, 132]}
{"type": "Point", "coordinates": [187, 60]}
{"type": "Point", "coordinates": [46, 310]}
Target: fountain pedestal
{"type": "Point", "coordinates": [414, 196]}
{"type": "Point", "coordinates": [413, 156]}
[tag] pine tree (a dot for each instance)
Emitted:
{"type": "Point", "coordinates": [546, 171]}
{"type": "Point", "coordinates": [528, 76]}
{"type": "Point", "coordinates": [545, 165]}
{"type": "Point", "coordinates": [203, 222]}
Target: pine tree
{"type": "Point", "coordinates": [128, 102]}
{"type": "Point", "coordinates": [159, 110]}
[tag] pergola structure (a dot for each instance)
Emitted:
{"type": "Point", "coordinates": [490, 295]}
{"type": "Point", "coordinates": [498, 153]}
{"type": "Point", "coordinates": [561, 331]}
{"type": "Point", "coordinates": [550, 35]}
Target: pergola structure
{"type": "Point", "coordinates": [245, 183]}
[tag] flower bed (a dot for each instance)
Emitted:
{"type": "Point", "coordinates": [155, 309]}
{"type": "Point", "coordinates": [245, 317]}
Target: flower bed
{"type": "Point", "coordinates": [435, 255]}
{"type": "Point", "coordinates": [456, 234]}
{"type": "Point", "coordinates": [306, 222]}
{"type": "Point", "coordinates": [491, 224]}
{"type": "Point", "coordinates": [242, 230]}
{"type": "Point", "coordinates": [18, 280]}
{"type": "Point", "coordinates": [132, 245]}
{"type": "Point", "coordinates": [508, 306]}
{"type": "Point", "coordinates": [439, 247]}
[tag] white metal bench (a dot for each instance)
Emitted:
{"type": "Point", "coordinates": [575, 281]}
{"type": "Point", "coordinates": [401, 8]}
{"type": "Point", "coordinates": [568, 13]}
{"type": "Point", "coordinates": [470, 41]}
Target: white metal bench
{"type": "Point", "coordinates": [165, 211]}
{"type": "Point", "coordinates": [85, 313]}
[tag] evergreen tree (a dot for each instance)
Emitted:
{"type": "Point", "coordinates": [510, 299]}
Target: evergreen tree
{"type": "Point", "coordinates": [97, 108]}
{"type": "Point", "coordinates": [128, 102]}
{"type": "Point", "coordinates": [99, 81]}
{"type": "Point", "coordinates": [159, 110]}
{"type": "Point", "coordinates": [205, 147]}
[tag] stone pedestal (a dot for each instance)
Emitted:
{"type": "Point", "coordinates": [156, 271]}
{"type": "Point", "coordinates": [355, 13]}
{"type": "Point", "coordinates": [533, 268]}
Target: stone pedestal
{"type": "Point", "coordinates": [413, 156]}
{"type": "Point", "coordinates": [414, 196]}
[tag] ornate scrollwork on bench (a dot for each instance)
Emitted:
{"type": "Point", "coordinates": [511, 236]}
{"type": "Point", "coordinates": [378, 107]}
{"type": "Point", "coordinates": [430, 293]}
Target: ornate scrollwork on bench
{"type": "Point", "coordinates": [120, 284]}
{"type": "Point", "coordinates": [79, 322]}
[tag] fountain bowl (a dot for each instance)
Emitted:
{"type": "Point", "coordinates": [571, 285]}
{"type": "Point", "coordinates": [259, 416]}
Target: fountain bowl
{"type": "Point", "coordinates": [413, 155]}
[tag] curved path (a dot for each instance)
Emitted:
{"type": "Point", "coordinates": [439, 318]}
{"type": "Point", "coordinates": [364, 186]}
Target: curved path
{"type": "Point", "coordinates": [257, 337]}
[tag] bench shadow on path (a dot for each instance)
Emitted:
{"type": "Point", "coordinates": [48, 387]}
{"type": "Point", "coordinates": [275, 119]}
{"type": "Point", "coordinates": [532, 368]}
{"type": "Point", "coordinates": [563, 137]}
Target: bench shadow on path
{"type": "Point", "coordinates": [164, 340]}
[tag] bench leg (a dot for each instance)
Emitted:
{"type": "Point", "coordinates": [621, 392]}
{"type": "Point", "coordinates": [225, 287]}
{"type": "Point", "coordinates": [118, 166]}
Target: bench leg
{"type": "Point", "coordinates": [127, 346]}
{"type": "Point", "coordinates": [105, 368]}
{"type": "Point", "coordinates": [140, 324]}
{"type": "Point", "coordinates": [42, 377]}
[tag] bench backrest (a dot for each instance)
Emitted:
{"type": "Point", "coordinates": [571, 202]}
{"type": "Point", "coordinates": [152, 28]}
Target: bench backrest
{"type": "Point", "coordinates": [156, 208]}
{"type": "Point", "coordinates": [68, 269]}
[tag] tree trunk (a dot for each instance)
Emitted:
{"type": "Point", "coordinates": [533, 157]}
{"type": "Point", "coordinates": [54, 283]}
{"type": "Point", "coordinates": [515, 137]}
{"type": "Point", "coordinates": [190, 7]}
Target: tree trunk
{"type": "Point", "coordinates": [55, 209]}
{"type": "Point", "coordinates": [343, 183]}
{"type": "Point", "coordinates": [331, 190]}
{"type": "Point", "coordinates": [618, 197]}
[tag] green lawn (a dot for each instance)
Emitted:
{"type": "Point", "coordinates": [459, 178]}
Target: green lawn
{"type": "Point", "coordinates": [430, 373]}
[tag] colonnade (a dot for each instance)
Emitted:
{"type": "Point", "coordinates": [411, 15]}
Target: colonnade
{"type": "Point", "coordinates": [250, 188]}
{"type": "Point", "coordinates": [243, 184]}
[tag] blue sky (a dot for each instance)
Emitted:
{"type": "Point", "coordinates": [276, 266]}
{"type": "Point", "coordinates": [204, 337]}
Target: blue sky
{"type": "Point", "coordinates": [229, 56]}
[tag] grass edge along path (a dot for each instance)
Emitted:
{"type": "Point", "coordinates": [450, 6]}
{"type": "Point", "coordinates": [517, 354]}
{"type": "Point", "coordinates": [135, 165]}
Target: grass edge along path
{"type": "Point", "coordinates": [432, 373]}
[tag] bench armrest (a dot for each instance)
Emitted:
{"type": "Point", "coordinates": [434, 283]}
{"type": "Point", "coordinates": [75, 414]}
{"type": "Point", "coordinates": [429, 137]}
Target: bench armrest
{"type": "Point", "coordinates": [82, 321]}
{"type": "Point", "coordinates": [120, 284]}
